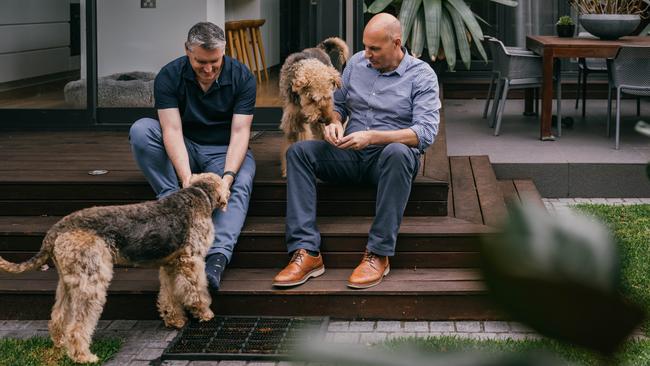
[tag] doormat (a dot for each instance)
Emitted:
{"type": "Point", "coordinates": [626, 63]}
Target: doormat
{"type": "Point", "coordinates": [244, 338]}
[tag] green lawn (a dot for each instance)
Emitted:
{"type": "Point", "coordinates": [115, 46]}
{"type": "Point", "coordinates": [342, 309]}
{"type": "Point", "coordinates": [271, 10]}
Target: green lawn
{"type": "Point", "coordinates": [39, 351]}
{"type": "Point", "coordinates": [631, 228]}
{"type": "Point", "coordinates": [632, 353]}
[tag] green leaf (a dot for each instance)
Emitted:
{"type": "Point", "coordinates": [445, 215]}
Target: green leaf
{"type": "Point", "coordinates": [472, 25]}
{"type": "Point", "coordinates": [378, 5]}
{"type": "Point", "coordinates": [432, 15]}
{"type": "Point", "coordinates": [417, 34]}
{"type": "Point", "coordinates": [407, 14]}
{"type": "Point", "coordinates": [511, 3]}
{"type": "Point", "coordinates": [461, 35]}
{"type": "Point", "coordinates": [483, 20]}
{"type": "Point", "coordinates": [447, 36]}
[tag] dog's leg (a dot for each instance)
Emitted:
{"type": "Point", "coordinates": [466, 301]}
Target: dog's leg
{"type": "Point", "coordinates": [86, 268]}
{"type": "Point", "coordinates": [283, 156]}
{"type": "Point", "coordinates": [170, 309]}
{"type": "Point", "coordinates": [60, 310]}
{"type": "Point", "coordinates": [192, 287]}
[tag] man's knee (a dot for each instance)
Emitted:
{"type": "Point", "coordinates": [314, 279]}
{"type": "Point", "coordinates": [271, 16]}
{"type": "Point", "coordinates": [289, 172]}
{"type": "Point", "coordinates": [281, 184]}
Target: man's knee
{"type": "Point", "coordinates": [142, 131]}
{"type": "Point", "coordinates": [302, 149]}
{"type": "Point", "coordinates": [396, 153]}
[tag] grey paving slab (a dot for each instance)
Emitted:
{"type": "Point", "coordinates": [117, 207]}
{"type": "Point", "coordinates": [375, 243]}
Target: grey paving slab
{"type": "Point", "coordinates": [496, 326]}
{"type": "Point", "coordinates": [361, 326]}
{"type": "Point", "coordinates": [149, 354]}
{"type": "Point", "coordinates": [468, 327]}
{"type": "Point", "coordinates": [416, 326]}
{"type": "Point", "coordinates": [372, 338]}
{"type": "Point", "coordinates": [206, 363]}
{"type": "Point", "coordinates": [389, 326]}
{"type": "Point", "coordinates": [175, 363]}
{"type": "Point", "coordinates": [122, 324]}
{"type": "Point", "coordinates": [442, 326]}
{"type": "Point", "coordinates": [339, 326]}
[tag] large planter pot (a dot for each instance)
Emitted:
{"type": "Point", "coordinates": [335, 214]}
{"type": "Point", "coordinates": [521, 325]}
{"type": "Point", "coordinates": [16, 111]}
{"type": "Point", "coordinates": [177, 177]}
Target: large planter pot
{"type": "Point", "coordinates": [610, 26]}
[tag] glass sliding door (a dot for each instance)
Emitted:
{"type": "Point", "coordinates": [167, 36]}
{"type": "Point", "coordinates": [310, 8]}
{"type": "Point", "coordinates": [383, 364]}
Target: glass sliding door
{"type": "Point", "coordinates": [41, 55]}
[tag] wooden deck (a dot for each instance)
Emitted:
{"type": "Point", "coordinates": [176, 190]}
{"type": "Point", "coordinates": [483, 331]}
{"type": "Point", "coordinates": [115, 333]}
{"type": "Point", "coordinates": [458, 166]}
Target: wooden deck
{"type": "Point", "coordinates": [455, 200]}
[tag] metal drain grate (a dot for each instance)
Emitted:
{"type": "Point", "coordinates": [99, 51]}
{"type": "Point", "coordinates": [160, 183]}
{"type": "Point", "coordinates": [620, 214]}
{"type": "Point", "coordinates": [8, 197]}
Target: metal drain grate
{"type": "Point", "coordinates": [244, 338]}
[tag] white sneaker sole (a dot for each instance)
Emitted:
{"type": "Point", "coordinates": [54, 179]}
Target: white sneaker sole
{"type": "Point", "coordinates": [315, 273]}
{"type": "Point", "coordinates": [371, 284]}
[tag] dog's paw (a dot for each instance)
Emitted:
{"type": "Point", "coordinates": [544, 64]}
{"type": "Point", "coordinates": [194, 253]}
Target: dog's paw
{"type": "Point", "coordinates": [175, 322]}
{"type": "Point", "coordinates": [84, 358]}
{"type": "Point", "coordinates": [205, 315]}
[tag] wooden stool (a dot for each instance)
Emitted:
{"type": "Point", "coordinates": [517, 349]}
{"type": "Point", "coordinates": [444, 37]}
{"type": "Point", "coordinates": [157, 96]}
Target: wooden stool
{"type": "Point", "coordinates": [246, 51]}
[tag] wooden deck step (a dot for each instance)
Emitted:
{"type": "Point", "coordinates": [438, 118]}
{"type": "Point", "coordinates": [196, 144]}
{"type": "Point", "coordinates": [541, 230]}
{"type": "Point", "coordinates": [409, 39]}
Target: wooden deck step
{"type": "Point", "coordinates": [520, 190]}
{"type": "Point", "coordinates": [423, 242]}
{"type": "Point", "coordinates": [433, 294]}
{"type": "Point", "coordinates": [53, 179]}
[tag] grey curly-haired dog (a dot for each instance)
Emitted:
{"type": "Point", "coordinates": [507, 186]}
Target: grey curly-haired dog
{"type": "Point", "coordinates": [307, 83]}
{"type": "Point", "coordinates": [173, 233]}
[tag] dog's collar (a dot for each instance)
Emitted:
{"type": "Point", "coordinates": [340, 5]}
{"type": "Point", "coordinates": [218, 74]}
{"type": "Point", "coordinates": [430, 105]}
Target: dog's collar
{"type": "Point", "coordinates": [207, 197]}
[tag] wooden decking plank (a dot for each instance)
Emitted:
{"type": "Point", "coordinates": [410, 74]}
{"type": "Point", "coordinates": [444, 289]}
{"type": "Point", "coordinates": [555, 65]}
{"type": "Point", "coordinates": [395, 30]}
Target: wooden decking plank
{"type": "Point", "coordinates": [436, 164]}
{"type": "Point", "coordinates": [466, 204]}
{"type": "Point", "coordinates": [528, 193]}
{"type": "Point", "coordinates": [424, 259]}
{"type": "Point", "coordinates": [400, 281]}
{"type": "Point", "coordinates": [493, 207]}
{"type": "Point", "coordinates": [509, 191]}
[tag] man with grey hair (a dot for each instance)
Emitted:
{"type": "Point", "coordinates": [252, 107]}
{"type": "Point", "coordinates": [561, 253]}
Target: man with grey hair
{"type": "Point", "coordinates": [205, 102]}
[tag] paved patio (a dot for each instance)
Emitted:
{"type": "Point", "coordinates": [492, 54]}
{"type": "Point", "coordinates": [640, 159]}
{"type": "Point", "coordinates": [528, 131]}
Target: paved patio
{"type": "Point", "coordinates": [581, 163]}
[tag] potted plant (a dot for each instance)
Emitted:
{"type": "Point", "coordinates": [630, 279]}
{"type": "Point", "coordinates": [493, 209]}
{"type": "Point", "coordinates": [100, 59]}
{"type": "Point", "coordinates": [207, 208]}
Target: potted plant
{"type": "Point", "coordinates": [610, 19]}
{"type": "Point", "coordinates": [565, 26]}
{"type": "Point", "coordinates": [446, 26]}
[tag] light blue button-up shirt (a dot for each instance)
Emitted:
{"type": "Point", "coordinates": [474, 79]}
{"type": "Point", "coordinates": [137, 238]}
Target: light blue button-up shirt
{"type": "Point", "coordinates": [406, 97]}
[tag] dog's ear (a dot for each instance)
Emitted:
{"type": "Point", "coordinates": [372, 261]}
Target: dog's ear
{"type": "Point", "coordinates": [336, 78]}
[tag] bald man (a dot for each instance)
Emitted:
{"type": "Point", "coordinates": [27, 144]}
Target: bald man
{"type": "Point", "coordinates": [390, 101]}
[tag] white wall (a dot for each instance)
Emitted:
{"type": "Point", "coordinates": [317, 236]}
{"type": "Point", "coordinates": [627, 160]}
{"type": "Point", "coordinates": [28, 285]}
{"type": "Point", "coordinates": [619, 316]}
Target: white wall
{"type": "Point", "coordinates": [133, 39]}
{"type": "Point", "coordinates": [34, 38]}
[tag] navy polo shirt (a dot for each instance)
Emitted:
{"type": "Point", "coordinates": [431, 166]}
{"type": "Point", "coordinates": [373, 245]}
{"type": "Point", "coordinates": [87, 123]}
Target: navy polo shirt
{"type": "Point", "coordinates": [206, 116]}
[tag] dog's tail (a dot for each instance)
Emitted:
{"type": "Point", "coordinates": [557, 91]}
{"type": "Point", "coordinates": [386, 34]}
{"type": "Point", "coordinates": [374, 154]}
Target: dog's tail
{"type": "Point", "coordinates": [35, 262]}
{"type": "Point", "coordinates": [337, 50]}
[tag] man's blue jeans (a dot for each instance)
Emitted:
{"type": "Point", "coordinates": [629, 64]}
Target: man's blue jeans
{"type": "Point", "coordinates": [149, 152]}
{"type": "Point", "coordinates": [390, 168]}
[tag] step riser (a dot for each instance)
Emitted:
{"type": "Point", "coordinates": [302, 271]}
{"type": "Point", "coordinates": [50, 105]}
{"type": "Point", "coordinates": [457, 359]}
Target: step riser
{"type": "Point", "coordinates": [142, 192]}
{"type": "Point", "coordinates": [332, 260]}
{"type": "Point", "coordinates": [256, 208]}
{"type": "Point", "coordinates": [404, 307]}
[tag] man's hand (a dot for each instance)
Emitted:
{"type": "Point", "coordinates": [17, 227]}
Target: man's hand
{"type": "Point", "coordinates": [224, 189]}
{"type": "Point", "coordinates": [356, 140]}
{"type": "Point", "coordinates": [334, 132]}
{"type": "Point", "coordinates": [185, 182]}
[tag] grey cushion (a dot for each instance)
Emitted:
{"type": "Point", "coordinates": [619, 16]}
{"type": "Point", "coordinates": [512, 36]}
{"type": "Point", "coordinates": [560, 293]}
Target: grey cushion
{"type": "Point", "coordinates": [128, 89]}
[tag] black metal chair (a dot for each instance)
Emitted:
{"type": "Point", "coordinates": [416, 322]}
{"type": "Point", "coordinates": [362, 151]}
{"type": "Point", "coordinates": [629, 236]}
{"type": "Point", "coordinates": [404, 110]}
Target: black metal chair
{"type": "Point", "coordinates": [629, 74]}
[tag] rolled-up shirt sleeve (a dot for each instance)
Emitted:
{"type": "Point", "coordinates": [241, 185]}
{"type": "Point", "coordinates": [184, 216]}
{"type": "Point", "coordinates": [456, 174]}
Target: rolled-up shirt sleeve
{"type": "Point", "coordinates": [340, 94]}
{"type": "Point", "coordinates": [426, 107]}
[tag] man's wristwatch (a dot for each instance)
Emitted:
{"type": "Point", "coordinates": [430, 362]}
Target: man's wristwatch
{"type": "Point", "coordinates": [230, 173]}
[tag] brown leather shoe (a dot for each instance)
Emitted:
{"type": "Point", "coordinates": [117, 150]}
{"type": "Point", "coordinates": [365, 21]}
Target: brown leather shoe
{"type": "Point", "coordinates": [301, 267]}
{"type": "Point", "coordinates": [370, 272]}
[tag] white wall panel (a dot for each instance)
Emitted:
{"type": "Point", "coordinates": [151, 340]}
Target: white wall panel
{"type": "Point", "coordinates": [22, 65]}
{"type": "Point", "coordinates": [18, 38]}
{"type": "Point", "coordinates": [34, 11]}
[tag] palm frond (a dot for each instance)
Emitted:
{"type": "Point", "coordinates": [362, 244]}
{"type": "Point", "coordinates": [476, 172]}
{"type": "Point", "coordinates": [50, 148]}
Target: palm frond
{"type": "Point", "coordinates": [378, 5]}
{"type": "Point", "coordinates": [432, 15]}
{"type": "Point", "coordinates": [447, 36]}
{"type": "Point", "coordinates": [472, 25]}
{"type": "Point", "coordinates": [461, 35]}
{"type": "Point", "coordinates": [407, 14]}
{"type": "Point", "coordinates": [417, 34]}
{"type": "Point", "coordinates": [511, 3]}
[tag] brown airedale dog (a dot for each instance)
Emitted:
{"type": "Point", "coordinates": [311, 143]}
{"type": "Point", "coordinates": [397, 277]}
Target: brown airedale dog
{"type": "Point", "coordinates": [307, 83]}
{"type": "Point", "coordinates": [173, 233]}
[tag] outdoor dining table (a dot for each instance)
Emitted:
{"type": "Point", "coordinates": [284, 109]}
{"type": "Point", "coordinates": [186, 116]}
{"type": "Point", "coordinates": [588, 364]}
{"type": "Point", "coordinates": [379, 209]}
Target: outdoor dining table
{"type": "Point", "coordinates": [553, 48]}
